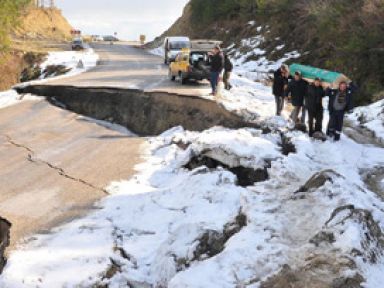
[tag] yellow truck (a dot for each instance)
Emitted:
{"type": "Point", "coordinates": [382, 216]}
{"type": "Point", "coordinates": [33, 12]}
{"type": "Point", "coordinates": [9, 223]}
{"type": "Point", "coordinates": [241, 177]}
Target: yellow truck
{"type": "Point", "coordinates": [193, 63]}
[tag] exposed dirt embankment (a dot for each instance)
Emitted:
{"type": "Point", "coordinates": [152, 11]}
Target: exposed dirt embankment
{"type": "Point", "coordinates": [40, 23]}
{"type": "Point", "coordinates": [11, 66]}
{"type": "Point", "coordinates": [145, 113]}
{"type": "Point", "coordinates": [40, 30]}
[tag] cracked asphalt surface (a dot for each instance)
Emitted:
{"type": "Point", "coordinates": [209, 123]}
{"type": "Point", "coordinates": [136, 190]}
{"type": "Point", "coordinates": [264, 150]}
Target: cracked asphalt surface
{"type": "Point", "coordinates": [54, 165]}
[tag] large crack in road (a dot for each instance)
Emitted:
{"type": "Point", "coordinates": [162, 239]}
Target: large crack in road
{"type": "Point", "coordinates": [31, 158]}
{"type": "Point", "coordinates": [144, 113]}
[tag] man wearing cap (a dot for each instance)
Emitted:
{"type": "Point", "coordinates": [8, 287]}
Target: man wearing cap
{"type": "Point", "coordinates": [297, 89]}
{"type": "Point", "coordinates": [280, 83]}
{"type": "Point", "coordinates": [217, 65]}
{"type": "Point", "coordinates": [314, 105]}
{"type": "Point", "coordinates": [340, 101]}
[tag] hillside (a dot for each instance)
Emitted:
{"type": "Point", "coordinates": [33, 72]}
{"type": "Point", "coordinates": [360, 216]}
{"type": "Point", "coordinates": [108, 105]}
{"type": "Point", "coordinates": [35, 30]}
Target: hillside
{"type": "Point", "coordinates": [38, 31]}
{"type": "Point", "coordinates": [40, 23]}
{"type": "Point", "coordinates": [344, 36]}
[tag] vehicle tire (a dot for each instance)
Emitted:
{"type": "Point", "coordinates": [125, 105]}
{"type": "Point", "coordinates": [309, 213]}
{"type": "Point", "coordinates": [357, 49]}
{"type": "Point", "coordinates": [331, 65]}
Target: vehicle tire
{"type": "Point", "coordinates": [171, 77]}
{"type": "Point", "coordinates": [183, 79]}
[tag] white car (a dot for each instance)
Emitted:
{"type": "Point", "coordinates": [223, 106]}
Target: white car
{"type": "Point", "coordinates": [173, 46]}
{"type": "Point", "coordinates": [97, 38]}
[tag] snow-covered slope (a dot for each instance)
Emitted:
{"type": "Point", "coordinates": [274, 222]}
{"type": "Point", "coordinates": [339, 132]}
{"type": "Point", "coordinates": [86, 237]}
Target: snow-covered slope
{"type": "Point", "coordinates": [252, 61]}
{"type": "Point", "coordinates": [370, 118]}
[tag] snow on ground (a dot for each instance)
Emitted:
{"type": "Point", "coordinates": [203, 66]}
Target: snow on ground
{"type": "Point", "coordinates": [255, 64]}
{"type": "Point", "coordinates": [370, 117]}
{"type": "Point", "coordinates": [173, 227]}
{"type": "Point", "coordinates": [252, 100]}
{"type": "Point", "coordinates": [159, 51]}
{"type": "Point", "coordinates": [11, 97]}
{"type": "Point", "coordinates": [259, 69]}
{"type": "Point", "coordinates": [77, 62]}
{"type": "Point", "coordinates": [157, 229]}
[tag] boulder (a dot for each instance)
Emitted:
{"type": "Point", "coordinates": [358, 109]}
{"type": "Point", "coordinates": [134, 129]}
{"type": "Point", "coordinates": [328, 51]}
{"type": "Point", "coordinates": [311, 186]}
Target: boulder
{"type": "Point", "coordinates": [245, 176]}
{"type": "Point", "coordinates": [321, 271]}
{"type": "Point", "coordinates": [371, 246]}
{"type": "Point", "coordinates": [318, 180]}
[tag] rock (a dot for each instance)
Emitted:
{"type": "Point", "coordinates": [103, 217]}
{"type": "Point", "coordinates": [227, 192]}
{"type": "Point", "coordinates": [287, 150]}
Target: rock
{"type": "Point", "coordinates": [248, 176]}
{"type": "Point", "coordinates": [245, 176]}
{"type": "Point", "coordinates": [30, 73]}
{"type": "Point", "coordinates": [5, 227]}
{"type": "Point", "coordinates": [55, 70]}
{"type": "Point", "coordinates": [113, 269]}
{"type": "Point", "coordinates": [371, 236]}
{"type": "Point", "coordinates": [323, 237]}
{"type": "Point", "coordinates": [190, 243]}
{"type": "Point", "coordinates": [321, 271]}
{"type": "Point", "coordinates": [181, 144]}
{"type": "Point", "coordinates": [318, 180]}
{"type": "Point", "coordinates": [286, 144]}
{"type": "Point", "coordinates": [352, 282]}
{"type": "Point", "coordinates": [234, 227]}
{"type": "Point", "coordinates": [212, 242]}
{"type": "Point", "coordinates": [374, 178]}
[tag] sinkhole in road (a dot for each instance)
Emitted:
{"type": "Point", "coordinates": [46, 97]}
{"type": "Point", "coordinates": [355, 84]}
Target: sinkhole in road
{"type": "Point", "coordinates": [144, 113]}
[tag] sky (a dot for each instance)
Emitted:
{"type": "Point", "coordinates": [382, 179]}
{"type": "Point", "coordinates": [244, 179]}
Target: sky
{"type": "Point", "coordinates": [129, 18]}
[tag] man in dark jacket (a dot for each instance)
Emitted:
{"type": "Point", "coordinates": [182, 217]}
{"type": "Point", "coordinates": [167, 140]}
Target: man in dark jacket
{"type": "Point", "coordinates": [280, 84]}
{"type": "Point", "coordinates": [217, 65]}
{"type": "Point", "coordinates": [228, 68]}
{"type": "Point", "coordinates": [314, 105]}
{"type": "Point", "coordinates": [297, 89]}
{"type": "Point", "coordinates": [340, 101]}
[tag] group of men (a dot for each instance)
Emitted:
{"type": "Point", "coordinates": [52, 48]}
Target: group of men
{"type": "Point", "coordinates": [219, 62]}
{"type": "Point", "coordinates": [308, 98]}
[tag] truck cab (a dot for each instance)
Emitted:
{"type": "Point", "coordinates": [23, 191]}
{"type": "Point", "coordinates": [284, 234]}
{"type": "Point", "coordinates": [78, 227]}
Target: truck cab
{"type": "Point", "coordinates": [173, 46]}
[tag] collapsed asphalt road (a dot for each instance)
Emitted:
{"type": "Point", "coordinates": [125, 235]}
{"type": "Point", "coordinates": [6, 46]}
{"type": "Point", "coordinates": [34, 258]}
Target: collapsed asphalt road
{"type": "Point", "coordinates": [55, 166]}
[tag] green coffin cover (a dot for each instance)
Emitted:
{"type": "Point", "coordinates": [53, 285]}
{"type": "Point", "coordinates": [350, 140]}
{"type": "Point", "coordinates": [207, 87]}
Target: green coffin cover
{"type": "Point", "coordinates": [309, 72]}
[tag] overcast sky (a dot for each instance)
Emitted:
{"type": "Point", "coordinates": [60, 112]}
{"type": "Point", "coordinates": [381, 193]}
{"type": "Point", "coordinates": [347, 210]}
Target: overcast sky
{"type": "Point", "coordinates": [129, 18]}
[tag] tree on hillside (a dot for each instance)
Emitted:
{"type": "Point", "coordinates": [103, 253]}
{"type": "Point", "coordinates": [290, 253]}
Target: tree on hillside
{"type": "Point", "coordinates": [10, 11]}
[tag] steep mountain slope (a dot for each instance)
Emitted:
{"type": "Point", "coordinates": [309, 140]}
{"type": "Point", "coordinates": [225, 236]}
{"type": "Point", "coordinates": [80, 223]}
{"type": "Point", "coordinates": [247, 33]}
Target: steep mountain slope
{"type": "Point", "coordinates": [340, 35]}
